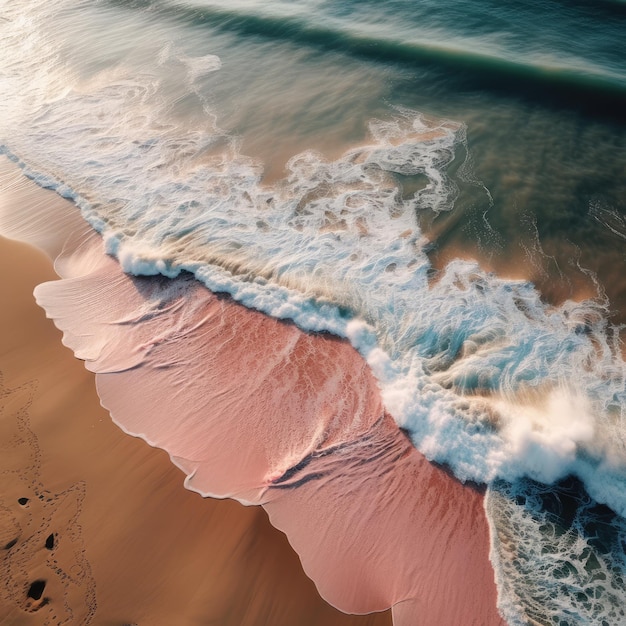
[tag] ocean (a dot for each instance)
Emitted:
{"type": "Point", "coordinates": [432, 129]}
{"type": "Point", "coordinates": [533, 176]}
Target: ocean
{"type": "Point", "coordinates": [440, 186]}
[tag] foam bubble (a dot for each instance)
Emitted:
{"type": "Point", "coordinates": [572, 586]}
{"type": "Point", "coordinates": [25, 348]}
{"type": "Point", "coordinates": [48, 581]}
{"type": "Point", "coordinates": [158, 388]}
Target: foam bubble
{"type": "Point", "coordinates": [558, 555]}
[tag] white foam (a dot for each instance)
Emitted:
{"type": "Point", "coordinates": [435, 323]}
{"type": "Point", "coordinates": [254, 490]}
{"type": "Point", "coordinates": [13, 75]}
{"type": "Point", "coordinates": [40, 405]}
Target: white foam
{"type": "Point", "coordinates": [550, 565]}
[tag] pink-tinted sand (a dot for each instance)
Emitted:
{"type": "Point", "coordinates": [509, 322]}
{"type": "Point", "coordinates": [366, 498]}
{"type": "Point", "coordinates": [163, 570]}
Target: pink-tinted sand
{"type": "Point", "coordinates": [255, 409]}
{"type": "Point", "coordinates": [108, 526]}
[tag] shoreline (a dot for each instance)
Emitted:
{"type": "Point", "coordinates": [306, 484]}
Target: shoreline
{"type": "Point", "coordinates": [125, 533]}
{"type": "Point", "coordinates": [135, 469]}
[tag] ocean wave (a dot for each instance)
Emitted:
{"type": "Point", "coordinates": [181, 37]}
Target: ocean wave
{"type": "Point", "coordinates": [475, 58]}
{"type": "Point", "coordinates": [478, 369]}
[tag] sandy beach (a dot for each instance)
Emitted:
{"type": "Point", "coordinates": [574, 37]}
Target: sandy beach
{"type": "Point", "coordinates": [106, 534]}
{"type": "Point", "coordinates": [324, 315]}
{"type": "Point", "coordinates": [96, 525]}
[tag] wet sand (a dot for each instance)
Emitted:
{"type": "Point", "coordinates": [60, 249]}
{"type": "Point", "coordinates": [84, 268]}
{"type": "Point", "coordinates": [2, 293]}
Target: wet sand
{"type": "Point", "coordinates": [109, 536]}
{"type": "Point", "coordinates": [254, 408]}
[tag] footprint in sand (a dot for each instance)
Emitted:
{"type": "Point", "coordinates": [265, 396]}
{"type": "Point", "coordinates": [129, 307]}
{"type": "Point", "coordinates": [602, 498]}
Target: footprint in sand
{"type": "Point", "coordinates": [43, 567]}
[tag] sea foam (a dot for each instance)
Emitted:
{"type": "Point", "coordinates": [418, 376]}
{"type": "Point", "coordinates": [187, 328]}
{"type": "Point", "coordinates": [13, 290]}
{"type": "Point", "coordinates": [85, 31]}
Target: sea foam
{"type": "Point", "coordinates": [556, 552]}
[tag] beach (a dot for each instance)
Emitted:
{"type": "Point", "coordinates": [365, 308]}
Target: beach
{"type": "Point", "coordinates": [339, 290]}
{"type": "Point", "coordinates": [144, 549]}
{"type": "Point", "coordinates": [130, 545]}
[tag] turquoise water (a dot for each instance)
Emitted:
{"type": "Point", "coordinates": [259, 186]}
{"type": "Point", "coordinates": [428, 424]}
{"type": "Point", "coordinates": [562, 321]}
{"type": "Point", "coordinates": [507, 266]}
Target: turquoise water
{"type": "Point", "coordinates": [326, 162]}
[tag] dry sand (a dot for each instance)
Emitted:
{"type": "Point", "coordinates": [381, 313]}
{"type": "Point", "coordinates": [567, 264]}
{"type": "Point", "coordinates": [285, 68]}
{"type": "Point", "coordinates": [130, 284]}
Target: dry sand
{"type": "Point", "coordinates": [109, 536]}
